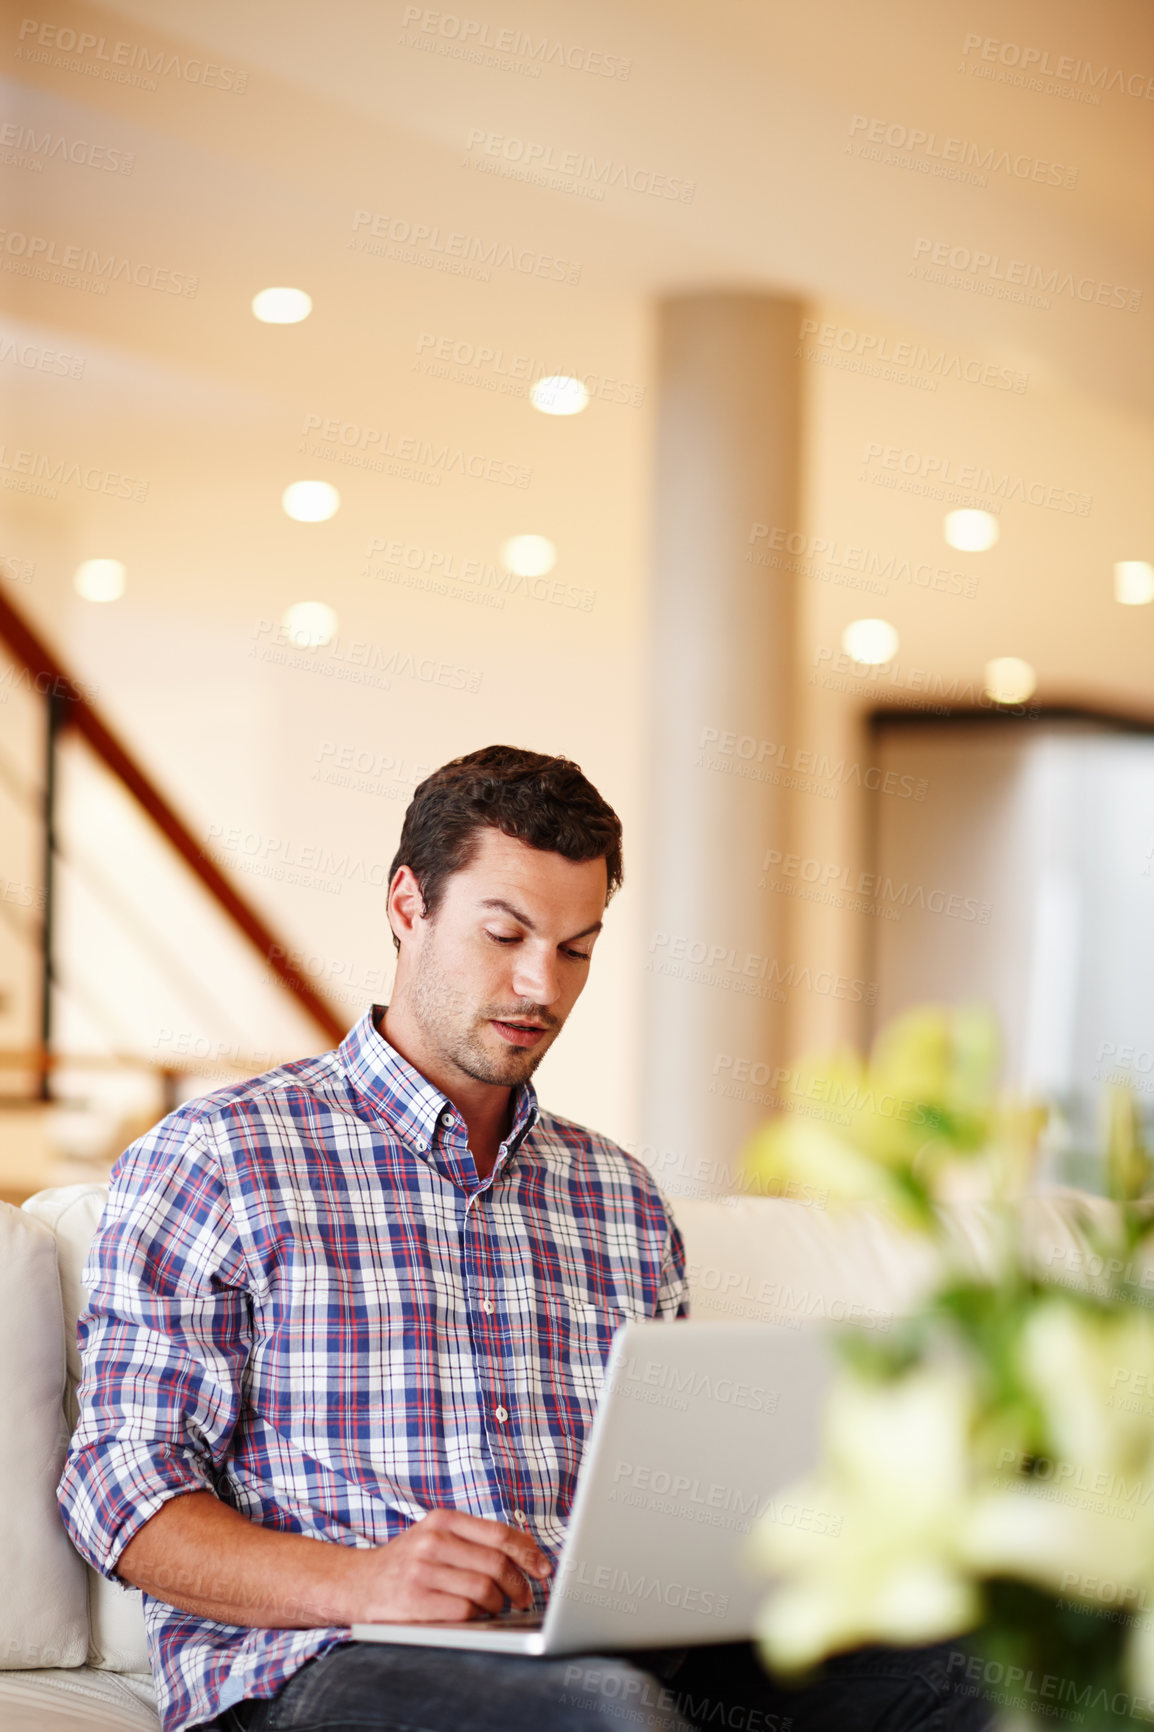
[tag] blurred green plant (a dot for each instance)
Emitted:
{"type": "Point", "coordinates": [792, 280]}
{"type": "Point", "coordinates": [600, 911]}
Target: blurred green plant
{"type": "Point", "coordinates": [991, 1459]}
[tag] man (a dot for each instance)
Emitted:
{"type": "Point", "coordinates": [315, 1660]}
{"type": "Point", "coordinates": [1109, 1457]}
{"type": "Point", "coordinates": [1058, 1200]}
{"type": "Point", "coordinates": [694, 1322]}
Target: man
{"type": "Point", "coordinates": [348, 1322]}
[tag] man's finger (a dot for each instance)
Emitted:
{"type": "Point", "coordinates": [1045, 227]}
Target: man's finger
{"type": "Point", "coordinates": [438, 1607]}
{"type": "Point", "coordinates": [480, 1591]}
{"type": "Point", "coordinates": [519, 1546]}
{"type": "Point", "coordinates": [459, 1554]}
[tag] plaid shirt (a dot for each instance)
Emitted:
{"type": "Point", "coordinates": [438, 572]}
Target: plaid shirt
{"type": "Point", "coordinates": [303, 1300]}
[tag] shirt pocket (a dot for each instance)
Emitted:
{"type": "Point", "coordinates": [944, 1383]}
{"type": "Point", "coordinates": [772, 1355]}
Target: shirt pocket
{"type": "Point", "coordinates": [575, 1339]}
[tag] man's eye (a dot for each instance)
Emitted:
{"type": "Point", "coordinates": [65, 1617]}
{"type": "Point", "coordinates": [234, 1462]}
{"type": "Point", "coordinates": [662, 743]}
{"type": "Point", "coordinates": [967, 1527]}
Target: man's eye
{"type": "Point", "coordinates": [499, 938]}
{"type": "Point", "coordinates": [578, 955]}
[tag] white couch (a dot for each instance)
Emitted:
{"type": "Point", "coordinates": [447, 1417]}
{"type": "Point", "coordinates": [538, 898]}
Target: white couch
{"type": "Point", "coordinates": [72, 1649]}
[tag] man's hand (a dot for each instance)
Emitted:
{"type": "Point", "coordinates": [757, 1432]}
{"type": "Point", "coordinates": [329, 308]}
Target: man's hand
{"type": "Point", "coordinates": [202, 1556]}
{"type": "Point", "coordinates": [448, 1567]}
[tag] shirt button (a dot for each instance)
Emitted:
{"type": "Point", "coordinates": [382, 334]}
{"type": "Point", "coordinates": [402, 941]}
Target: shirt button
{"type": "Point", "coordinates": [502, 1415]}
{"type": "Point", "coordinates": [446, 1118]}
{"type": "Point", "coordinates": [487, 1307]}
{"type": "Point", "coordinates": [520, 1517]}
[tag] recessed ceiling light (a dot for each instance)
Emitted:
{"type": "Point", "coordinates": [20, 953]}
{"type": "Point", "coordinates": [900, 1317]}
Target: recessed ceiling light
{"type": "Point", "coordinates": [100, 580]}
{"type": "Point", "coordinates": [971, 531]}
{"type": "Point", "coordinates": [528, 555]}
{"type": "Point", "coordinates": [559, 395]}
{"type": "Point", "coordinates": [311, 501]}
{"type": "Point", "coordinates": [870, 640]}
{"type": "Point", "coordinates": [282, 306]}
{"type": "Point", "coordinates": [1133, 582]}
{"type": "Point", "coordinates": [1010, 680]}
{"type": "Point", "coordinates": [310, 624]}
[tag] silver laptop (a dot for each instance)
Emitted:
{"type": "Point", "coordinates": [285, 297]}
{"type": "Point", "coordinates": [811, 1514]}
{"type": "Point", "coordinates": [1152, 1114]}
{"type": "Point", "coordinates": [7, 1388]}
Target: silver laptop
{"type": "Point", "coordinates": [700, 1430]}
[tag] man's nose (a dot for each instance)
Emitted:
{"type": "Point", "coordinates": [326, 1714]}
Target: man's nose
{"type": "Point", "coordinates": [536, 976]}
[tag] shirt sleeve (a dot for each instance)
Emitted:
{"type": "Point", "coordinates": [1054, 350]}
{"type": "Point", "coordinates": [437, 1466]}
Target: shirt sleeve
{"type": "Point", "coordinates": [164, 1341]}
{"type": "Point", "coordinates": [673, 1298]}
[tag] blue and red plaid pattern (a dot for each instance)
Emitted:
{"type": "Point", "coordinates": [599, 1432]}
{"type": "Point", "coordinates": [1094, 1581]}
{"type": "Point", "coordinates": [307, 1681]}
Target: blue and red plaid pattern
{"type": "Point", "coordinates": [303, 1300]}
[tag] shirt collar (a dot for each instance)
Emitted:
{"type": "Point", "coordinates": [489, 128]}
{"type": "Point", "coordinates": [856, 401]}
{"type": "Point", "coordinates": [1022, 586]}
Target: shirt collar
{"type": "Point", "coordinates": [400, 1094]}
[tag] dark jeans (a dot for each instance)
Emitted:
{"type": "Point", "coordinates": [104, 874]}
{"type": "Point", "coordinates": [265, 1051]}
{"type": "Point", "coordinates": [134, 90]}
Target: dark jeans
{"type": "Point", "coordinates": [371, 1687]}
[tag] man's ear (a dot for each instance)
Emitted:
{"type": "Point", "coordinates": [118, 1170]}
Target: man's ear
{"type": "Point", "coordinates": [405, 904]}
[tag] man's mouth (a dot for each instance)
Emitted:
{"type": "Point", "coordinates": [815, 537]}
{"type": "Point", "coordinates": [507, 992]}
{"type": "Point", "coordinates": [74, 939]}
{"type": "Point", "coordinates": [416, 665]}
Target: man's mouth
{"type": "Point", "coordinates": [520, 1033]}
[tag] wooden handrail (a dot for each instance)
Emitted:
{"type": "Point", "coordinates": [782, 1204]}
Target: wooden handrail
{"type": "Point", "coordinates": [52, 680]}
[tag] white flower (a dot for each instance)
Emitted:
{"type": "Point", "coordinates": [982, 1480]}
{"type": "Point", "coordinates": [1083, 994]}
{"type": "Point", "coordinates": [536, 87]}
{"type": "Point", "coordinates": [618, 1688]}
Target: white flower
{"type": "Point", "coordinates": [1086, 1513]}
{"type": "Point", "coordinates": [886, 1564]}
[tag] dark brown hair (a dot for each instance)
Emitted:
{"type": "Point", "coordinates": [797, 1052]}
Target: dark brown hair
{"type": "Point", "coordinates": [543, 801]}
{"type": "Point", "coordinates": [538, 799]}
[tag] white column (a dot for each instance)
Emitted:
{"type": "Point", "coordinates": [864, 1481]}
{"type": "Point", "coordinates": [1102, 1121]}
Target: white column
{"type": "Point", "coordinates": [728, 457]}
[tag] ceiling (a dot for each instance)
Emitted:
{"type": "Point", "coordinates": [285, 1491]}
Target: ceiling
{"type": "Point", "coordinates": [757, 115]}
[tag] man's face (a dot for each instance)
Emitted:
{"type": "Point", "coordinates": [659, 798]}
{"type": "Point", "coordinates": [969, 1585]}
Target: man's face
{"type": "Point", "coordinates": [492, 976]}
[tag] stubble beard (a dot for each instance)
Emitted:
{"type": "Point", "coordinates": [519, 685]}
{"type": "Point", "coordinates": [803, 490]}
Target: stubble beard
{"type": "Point", "coordinates": [453, 1028]}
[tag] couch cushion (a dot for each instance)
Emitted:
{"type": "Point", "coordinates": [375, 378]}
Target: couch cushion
{"type": "Point", "coordinates": [42, 1598]}
{"type": "Point", "coordinates": [766, 1258]}
{"type": "Point", "coordinates": [78, 1700]}
{"type": "Point", "coordinates": [775, 1259]}
{"type": "Point", "coordinates": [116, 1638]}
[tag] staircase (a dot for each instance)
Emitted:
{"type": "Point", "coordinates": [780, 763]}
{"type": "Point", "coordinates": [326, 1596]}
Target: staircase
{"type": "Point", "coordinates": [78, 1078]}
